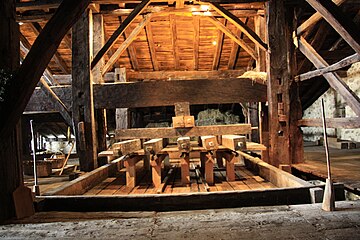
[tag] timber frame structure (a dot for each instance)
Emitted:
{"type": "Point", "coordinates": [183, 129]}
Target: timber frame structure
{"type": "Point", "coordinates": [88, 56]}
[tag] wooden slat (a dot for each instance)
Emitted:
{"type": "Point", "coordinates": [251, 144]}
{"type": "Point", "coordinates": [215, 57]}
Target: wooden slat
{"type": "Point", "coordinates": [150, 39]}
{"type": "Point", "coordinates": [196, 22]}
{"type": "Point", "coordinates": [336, 66]}
{"type": "Point", "coordinates": [334, 80]}
{"type": "Point", "coordinates": [228, 33]}
{"type": "Point", "coordinates": [174, 41]}
{"type": "Point", "coordinates": [235, 50]}
{"type": "Point", "coordinates": [218, 49]}
{"type": "Point", "coordinates": [343, 26]}
{"type": "Point", "coordinates": [131, 50]}
{"type": "Point", "coordinates": [350, 123]}
{"type": "Point", "coordinates": [172, 132]}
{"type": "Point", "coordinates": [125, 44]}
{"type": "Point", "coordinates": [137, 10]}
{"type": "Point", "coordinates": [239, 24]}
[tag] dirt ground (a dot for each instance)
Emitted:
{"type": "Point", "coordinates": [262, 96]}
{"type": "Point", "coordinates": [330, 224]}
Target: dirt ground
{"type": "Point", "coordinates": [274, 222]}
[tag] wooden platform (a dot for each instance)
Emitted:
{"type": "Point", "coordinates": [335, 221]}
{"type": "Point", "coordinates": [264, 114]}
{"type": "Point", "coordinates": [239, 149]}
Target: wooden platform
{"type": "Point", "coordinates": [345, 165]}
{"type": "Point", "coordinates": [245, 180]}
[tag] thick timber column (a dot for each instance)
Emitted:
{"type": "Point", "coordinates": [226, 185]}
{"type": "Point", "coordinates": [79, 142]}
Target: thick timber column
{"type": "Point", "coordinates": [286, 144]}
{"type": "Point", "coordinates": [82, 92]}
{"type": "Point", "coordinates": [100, 114]}
{"type": "Point", "coordinates": [10, 147]}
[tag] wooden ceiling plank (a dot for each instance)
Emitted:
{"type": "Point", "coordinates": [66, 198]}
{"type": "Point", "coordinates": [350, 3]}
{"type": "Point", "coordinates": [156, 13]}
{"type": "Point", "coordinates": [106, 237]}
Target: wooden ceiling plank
{"type": "Point", "coordinates": [174, 41]}
{"type": "Point", "coordinates": [332, 68]}
{"type": "Point", "coordinates": [131, 51]}
{"type": "Point", "coordinates": [218, 49]}
{"type": "Point", "coordinates": [196, 23]}
{"type": "Point", "coordinates": [344, 26]}
{"type": "Point", "coordinates": [305, 26]}
{"type": "Point", "coordinates": [150, 40]}
{"type": "Point", "coordinates": [137, 10]}
{"type": "Point", "coordinates": [333, 79]}
{"type": "Point", "coordinates": [228, 33]}
{"type": "Point", "coordinates": [239, 24]}
{"type": "Point", "coordinates": [125, 44]}
{"type": "Point", "coordinates": [36, 28]}
{"type": "Point", "coordinates": [235, 49]}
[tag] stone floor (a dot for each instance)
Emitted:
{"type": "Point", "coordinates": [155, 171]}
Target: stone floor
{"type": "Point", "coordinates": [274, 222]}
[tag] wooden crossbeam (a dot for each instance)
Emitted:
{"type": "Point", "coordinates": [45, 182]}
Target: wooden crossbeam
{"type": "Point", "coordinates": [150, 39]}
{"type": "Point", "coordinates": [343, 26]}
{"type": "Point", "coordinates": [36, 28]}
{"type": "Point", "coordinates": [228, 33]}
{"type": "Point", "coordinates": [173, 133]}
{"type": "Point", "coordinates": [313, 20]}
{"type": "Point", "coordinates": [350, 123]}
{"type": "Point", "coordinates": [151, 93]}
{"type": "Point", "coordinates": [36, 62]}
{"type": "Point", "coordinates": [336, 66]}
{"type": "Point", "coordinates": [125, 44]}
{"type": "Point", "coordinates": [334, 80]}
{"type": "Point", "coordinates": [240, 25]}
{"type": "Point", "coordinates": [137, 10]}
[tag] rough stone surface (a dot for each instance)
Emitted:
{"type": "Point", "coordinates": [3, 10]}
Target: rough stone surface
{"type": "Point", "coordinates": [274, 222]}
{"type": "Point", "coordinates": [335, 106]}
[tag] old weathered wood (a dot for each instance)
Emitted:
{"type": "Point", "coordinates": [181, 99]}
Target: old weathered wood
{"type": "Point", "coordinates": [234, 142]}
{"type": "Point", "coordinates": [185, 169]}
{"type": "Point", "coordinates": [126, 147]}
{"type": "Point", "coordinates": [333, 79]}
{"type": "Point", "coordinates": [313, 19]}
{"type": "Point", "coordinates": [82, 91]}
{"type": "Point", "coordinates": [121, 114]}
{"type": "Point", "coordinates": [131, 171]}
{"type": "Point", "coordinates": [131, 50]}
{"type": "Point", "coordinates": [284, 104]}
{"type": "Point", "coordinates": [259, 22]}
{"type": "Point", "coordinates": [218, 49]}
{"type": "Point", "coordinates": [230, 166]}
{"type": "Point", "coordinates": [150, 39]}
{"type": "Point", "coordinates": [125, 44]}
{"type": "Point", "coordinates": [196, 22]}
{"type": "Point", "coordinates": [209, 142]}
{"type": "Point", "coordinates": [182, 109]}
{"type": "Point", "coordinates": [236, 39]}
{"type": "Point", "coordinates": [208, 167]}
{"type": "Point", "coordinates": [239, 24]}
{"type": "Point", "coordinates": [174, 41]}
{"type": "Point", "coordinates": [333, 67]}
{"type": "Point", "coordinates": [184, 144]}
{"type": "Point", "coordinates": [172, 132]}
{"type": "Point", "coordinates": [34, 65]}
{"type": "Point", "coordinates": [331, 122]}
{"type": "Point", "coordinates": [156, 170]}
{"type": "Point", "coordinates": [137, 10]}
{"type": "Point", "coordinates": [340, 22]}
{"type": "Point", "coordinates": [153, 146]}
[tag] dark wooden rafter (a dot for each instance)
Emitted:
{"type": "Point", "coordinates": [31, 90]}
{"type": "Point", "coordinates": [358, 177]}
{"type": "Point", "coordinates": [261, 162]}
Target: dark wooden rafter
{"type": "Point", "coordinates": [236, 39]}
{"type": "Point", "coordinates": [34, 64]}
{"type": "Point", "coordinates": [339, 21]}
{"type": "Point", "coordinates": [150, 40]}
{"type": "Point", "coordinates": [137, 10]}
{"type": "Point", "coordinates": [259, 23]}
{"type": "Point", "coordinates": [350, 123]}
{"type": "Point", "coordinates": [174, 41]}
{"type": "Point", "coordinates": [218, 48]}
{"type": "Point", "coordinates": [235, 49]}
{"type": "Point", "coordinates": [310, 23]}
{"type": "Point", "coordinates": [36, 28]}
{"type": "Point", "coordinates": [239, 24]}
{"type": "Point", "coordinates": [196, 22]}
{"type": "Point", "coordinates": [125, 44]}
{"type": "Point", "coordinates": [334, 67]}
{"type": "Point", "coordinates": [333, 79]}
{"type": "Point", "coordinates": [131, 50]}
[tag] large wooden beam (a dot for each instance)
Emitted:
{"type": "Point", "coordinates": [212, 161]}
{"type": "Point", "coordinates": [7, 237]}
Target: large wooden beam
{"type": "Point", "coordinates": [332, 68]}
{"type": "Point", "coordinates": [340, 22]}
{"type": "Point", "coordinates": [36, 61]}
{"type": "Point", "coordinates": [236, 39]}
{"type": "Point", "coordinates": [82, 92]}
{"type": "Point", "coordinates": [125, 44]}
{"type": "Point", "coordinates": [350, 123]}
{"type": "Point", "coordinates": [150, 94]}
{"type": "Point", "coordinates": [173, 133]}
{"type": "Point", "coordinates": [137, 10]}
{"type": "Point", "coordinates": [239, 24]}
{"type": "Point", "coordinates": [334, 80]}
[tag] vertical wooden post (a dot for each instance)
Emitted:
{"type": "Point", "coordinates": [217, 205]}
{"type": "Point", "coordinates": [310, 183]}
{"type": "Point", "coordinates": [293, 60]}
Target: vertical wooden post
{"type": "Point", "coordinates": [10, 147]}
{"type": "Point", "coordinates": [230, 166]}
{"type": "Point", "coordinates": [156, 170]}
{"type": "Point", "coordinates": [82, 92]}
{"type": "Point", "coordinates": [284, 104]}
{"type": "Point", "coordinates": [121, 115]}
{"type": "Point", "coordinates": [209, 167]}
{"type": "Point", "coordinates": [98, 41]}
{"type": "Point", "coordinates": [185, 169]}
{"type": "Point", "coordinates": [130, 172]}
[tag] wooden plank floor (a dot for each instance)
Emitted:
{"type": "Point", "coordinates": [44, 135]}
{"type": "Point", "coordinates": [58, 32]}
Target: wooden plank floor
{"type": "Point", "coordinates": [245, 180]}
{"type": "Point", "coordinates": [345, 165]}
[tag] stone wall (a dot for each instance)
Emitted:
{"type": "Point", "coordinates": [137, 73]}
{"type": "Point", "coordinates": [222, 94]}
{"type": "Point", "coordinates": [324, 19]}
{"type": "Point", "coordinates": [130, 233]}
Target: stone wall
{"type": "Point", "coordinates": [335, 106]}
